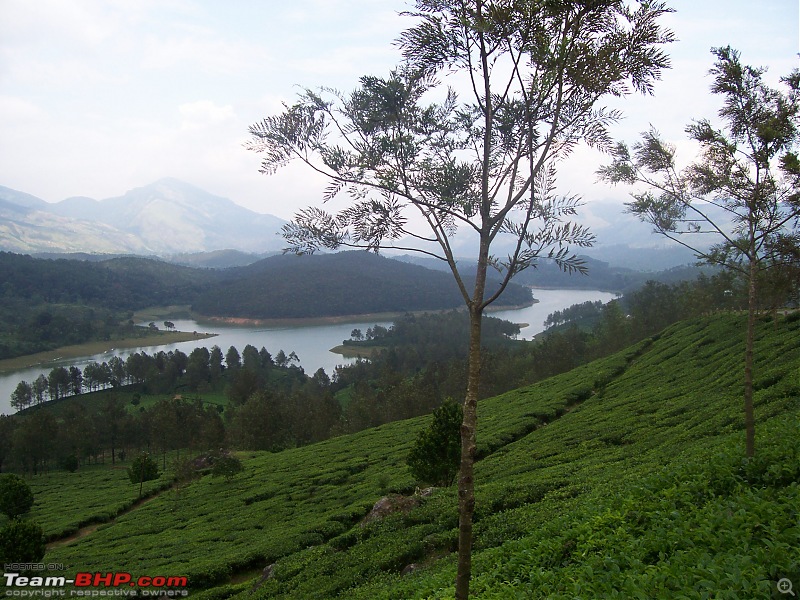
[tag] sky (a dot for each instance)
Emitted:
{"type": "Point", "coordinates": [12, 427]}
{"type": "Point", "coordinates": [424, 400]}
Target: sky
{"type": "Point", "coordinates": [101, 96]}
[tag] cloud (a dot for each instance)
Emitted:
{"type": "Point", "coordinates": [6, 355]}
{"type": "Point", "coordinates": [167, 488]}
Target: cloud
{"type": "Point", "coordinates": [14, 110]}
{"type": "Point", "coordinates": [203, 113]}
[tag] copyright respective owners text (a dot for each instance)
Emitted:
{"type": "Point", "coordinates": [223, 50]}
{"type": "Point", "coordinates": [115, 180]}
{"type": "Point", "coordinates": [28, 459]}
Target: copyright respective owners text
{"type": "Point", "coordinates": [23, 580]}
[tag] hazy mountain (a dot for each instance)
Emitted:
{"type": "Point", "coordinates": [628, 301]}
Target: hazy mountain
{"type": "Point", "coordinates": [215, 259]}
{"type": "Point", "coordinates": [621, 239]}
{"type": "Point", "coordinates": [171, 217]}
{"type": "Point", "coordinates": [30, 228]}
{"type": "Point", "coordinates": [165, 217]}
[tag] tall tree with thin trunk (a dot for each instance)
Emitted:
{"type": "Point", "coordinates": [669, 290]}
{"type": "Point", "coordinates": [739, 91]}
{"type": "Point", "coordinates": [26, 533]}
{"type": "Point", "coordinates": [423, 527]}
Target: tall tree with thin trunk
{"type": "Point", "coordinates": [466, 135]}
{"type": "Point", "coordinates": [743, 190]}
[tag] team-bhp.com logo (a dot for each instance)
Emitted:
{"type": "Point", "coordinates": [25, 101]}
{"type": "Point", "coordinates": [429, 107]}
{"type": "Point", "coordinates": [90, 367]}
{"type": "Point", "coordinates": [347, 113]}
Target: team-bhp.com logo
{"type": "Point", "coordinates": [93, 585]}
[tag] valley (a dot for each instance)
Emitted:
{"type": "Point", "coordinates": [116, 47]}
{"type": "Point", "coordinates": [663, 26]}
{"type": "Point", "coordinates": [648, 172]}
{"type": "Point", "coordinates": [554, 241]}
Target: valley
{"type": "Point", "coordinates": [573, 473]}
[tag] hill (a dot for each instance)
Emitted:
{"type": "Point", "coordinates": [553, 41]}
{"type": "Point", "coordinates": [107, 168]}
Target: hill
{"type": "Point", "coordinates": [165, 217]}
{"type": "Point", "coordinates": [347, 283]}
{"type": "Point", "coordinates": [622, 478]}
{"type": "Point", "coordinates": [56, 302]}
{"type": "Point", "coordinates": [123, 283]}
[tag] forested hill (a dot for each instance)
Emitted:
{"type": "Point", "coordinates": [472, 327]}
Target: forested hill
{"type": "Point", "coordinates": [346, 283]}
{"type": "Point", "coordinates": [125, 283]}
{"type": "Point", "coordinates": [276, 287]}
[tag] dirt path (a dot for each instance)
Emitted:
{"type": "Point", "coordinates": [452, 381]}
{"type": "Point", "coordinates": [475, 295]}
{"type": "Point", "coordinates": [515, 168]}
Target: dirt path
{"type": "Point", "coordinates": [91, 528]}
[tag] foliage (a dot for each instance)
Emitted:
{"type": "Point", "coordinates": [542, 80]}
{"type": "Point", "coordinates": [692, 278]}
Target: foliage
{"type": "Point", "coordinates": [344, 283]}
{"type": "Point", "coordinates": [21, 541]}
{"type": "Point", "coordinates": [436, 452]}
{"type": "Point", "coordinates": [227, 466]}
{"type": "Point", "coordinates": [555, 458]}
{"type": "Point", "coordinates": [143, 468]}
{"type": "Point", "coordinates": [485, 162]}
{"type": "Point", "coordinates": [16, 497]}
{"type": "Point", "coordinates": [748, 173]}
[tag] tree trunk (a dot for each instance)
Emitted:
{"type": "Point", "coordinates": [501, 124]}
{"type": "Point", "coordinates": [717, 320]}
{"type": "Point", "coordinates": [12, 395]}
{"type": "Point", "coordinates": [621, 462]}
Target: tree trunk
{"type": "Point", "coordinates": [466, 480]}
{"type": "Point", "coordinates": [749, 418]}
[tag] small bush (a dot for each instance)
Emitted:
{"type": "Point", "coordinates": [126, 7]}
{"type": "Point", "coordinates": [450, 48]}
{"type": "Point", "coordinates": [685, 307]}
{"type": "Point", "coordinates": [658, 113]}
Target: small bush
{"type": "Point", "coordinates": [21, 542]}
{"type": "Point", "coordinates": [436, 453]}
{"type": "Point", "coordinates": [16, 497]}
{"type": "Point", "coordinates": [143, 468]}
{"type": "Point", "coordinates": [69, 463]}
{"type": "Point", "coordinates": [226, 466]}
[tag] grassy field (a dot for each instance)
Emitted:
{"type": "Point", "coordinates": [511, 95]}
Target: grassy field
{"type": "Point", "coordinates": [619, 479]}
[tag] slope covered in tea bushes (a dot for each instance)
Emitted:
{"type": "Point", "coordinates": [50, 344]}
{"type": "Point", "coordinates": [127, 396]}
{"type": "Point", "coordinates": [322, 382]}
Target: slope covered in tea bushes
{"type": "Point", "coordinates": [618, 479]}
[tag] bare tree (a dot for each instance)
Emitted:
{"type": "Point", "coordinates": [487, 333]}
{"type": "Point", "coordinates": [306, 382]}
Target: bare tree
{"type": "Point", "coordinates": [419, 163]}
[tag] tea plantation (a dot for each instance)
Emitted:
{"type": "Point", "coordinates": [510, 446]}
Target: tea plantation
{"type": "Point", "coordinates": [624, 478]}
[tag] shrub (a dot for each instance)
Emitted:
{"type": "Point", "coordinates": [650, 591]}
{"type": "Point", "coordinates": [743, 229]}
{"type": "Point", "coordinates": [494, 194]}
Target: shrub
{"type": "Point", "coordinates": [143, 468]}
{"type": "Point", "coordinates": [21, 541]}
{"type": "Point", "coordinates": [16, 497]}
{"type": "Point", "coordinates": [226, 466]}
{"type": "Point", "coordinates": [435, 456]}
{"type": "Point", "coordinates": [70, 463]}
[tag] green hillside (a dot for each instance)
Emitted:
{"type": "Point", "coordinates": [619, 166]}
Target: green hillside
{"type": "Point", "coordinates": [345, 283]}
{"type": "Point", "coordinates": [623, 478]}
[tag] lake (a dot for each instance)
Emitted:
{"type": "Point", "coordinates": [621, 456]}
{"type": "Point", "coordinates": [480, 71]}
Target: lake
{"type": "Point", "coordinates": [311, 343]}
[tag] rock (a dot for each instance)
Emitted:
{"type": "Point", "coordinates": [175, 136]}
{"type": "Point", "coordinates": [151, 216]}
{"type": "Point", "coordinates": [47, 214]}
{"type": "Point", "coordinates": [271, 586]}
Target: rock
{"type": "Point", "coordinates": [389, 505]}
{"type": "Point", "coordinates": [266, 574]}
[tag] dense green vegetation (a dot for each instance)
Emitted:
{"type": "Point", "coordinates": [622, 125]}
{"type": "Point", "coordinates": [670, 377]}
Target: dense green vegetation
{"type": "Point", "coordinates": [622, 476]}
{"type": "Point", "coordinates": [345, 283]}
{"type": "Point", "coordinates": [52, 303]}
{"type": "Point", "coordinates": [255, 401]}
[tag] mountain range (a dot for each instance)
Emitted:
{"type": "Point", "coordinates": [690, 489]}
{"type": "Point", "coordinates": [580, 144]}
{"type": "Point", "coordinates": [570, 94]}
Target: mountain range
{"type": "Point", "coordinates": [165, 217]}
{"type": "Point", "coordinates": [178, 221]}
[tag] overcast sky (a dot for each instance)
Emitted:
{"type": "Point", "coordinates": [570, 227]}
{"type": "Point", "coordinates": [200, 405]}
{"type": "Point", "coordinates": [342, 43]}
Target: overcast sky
{"type": "Point", "coordinates": [100, 96]}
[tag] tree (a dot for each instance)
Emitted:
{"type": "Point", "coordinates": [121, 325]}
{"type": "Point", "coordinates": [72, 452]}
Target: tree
{"type": "Point", "coordinates": [34, 439]}
{"type": "Point", "coordinates": [215, 359]}
{"type": "Point", "coordinates": [7, 427]}
{"type": "Point", "coordinates": [21, 542]}
{"type": "Point", "coordinates": [75, 381]}
{"type": "Point", "coordinates": [408, 151]}
{"type": "Point", "coordinates": [111, 423]}
{"type": "Point", "coordinates": [227, 466]}
{"type": "Point", "coordinates": [143, 468]}
{"type": "Point", "coordinates": [747, 174]}
{"type": "Point", "coordinates": [16, 497]}
{"type": "Point", "coordinates": [39, 388]}
{"type": "Point", "coordinates": [435, 455]}
{"type": "Point", "coordinates": [198, 371]}
{"type": "Point", "coordinates": [251, 359]}
{"type": "Point", "coordinates": [232, 359]}
{"type": "Point", "coordinates": [22, 396]}
{"type": "Point", "coordinates": [118, 370]}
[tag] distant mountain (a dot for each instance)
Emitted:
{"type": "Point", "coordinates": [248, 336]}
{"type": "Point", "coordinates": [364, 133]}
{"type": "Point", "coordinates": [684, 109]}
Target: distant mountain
{"type": "Point", "coordinates": [347, 283]}
{"type": "Point", "coordinates": [171, 217]}
{"type": "Point", "coordinates": [622, 240]}
{"type": "Point", "coordinates": [165, 217]}
{"type": "Point", "coordinates": [215, 259]}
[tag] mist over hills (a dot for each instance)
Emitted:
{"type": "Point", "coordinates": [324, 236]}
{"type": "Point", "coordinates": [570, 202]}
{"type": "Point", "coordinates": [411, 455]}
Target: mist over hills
{"type": "Point", "coordinates": [182, 223]}
{"type": "Point", "coordinates": [165, 217]}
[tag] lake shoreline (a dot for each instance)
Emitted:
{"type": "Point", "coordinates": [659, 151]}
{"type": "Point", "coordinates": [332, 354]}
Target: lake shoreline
{"type": "Point", "coordinates": [8, 365]}
{"type": "Point", "coordinates": [336, 320]}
